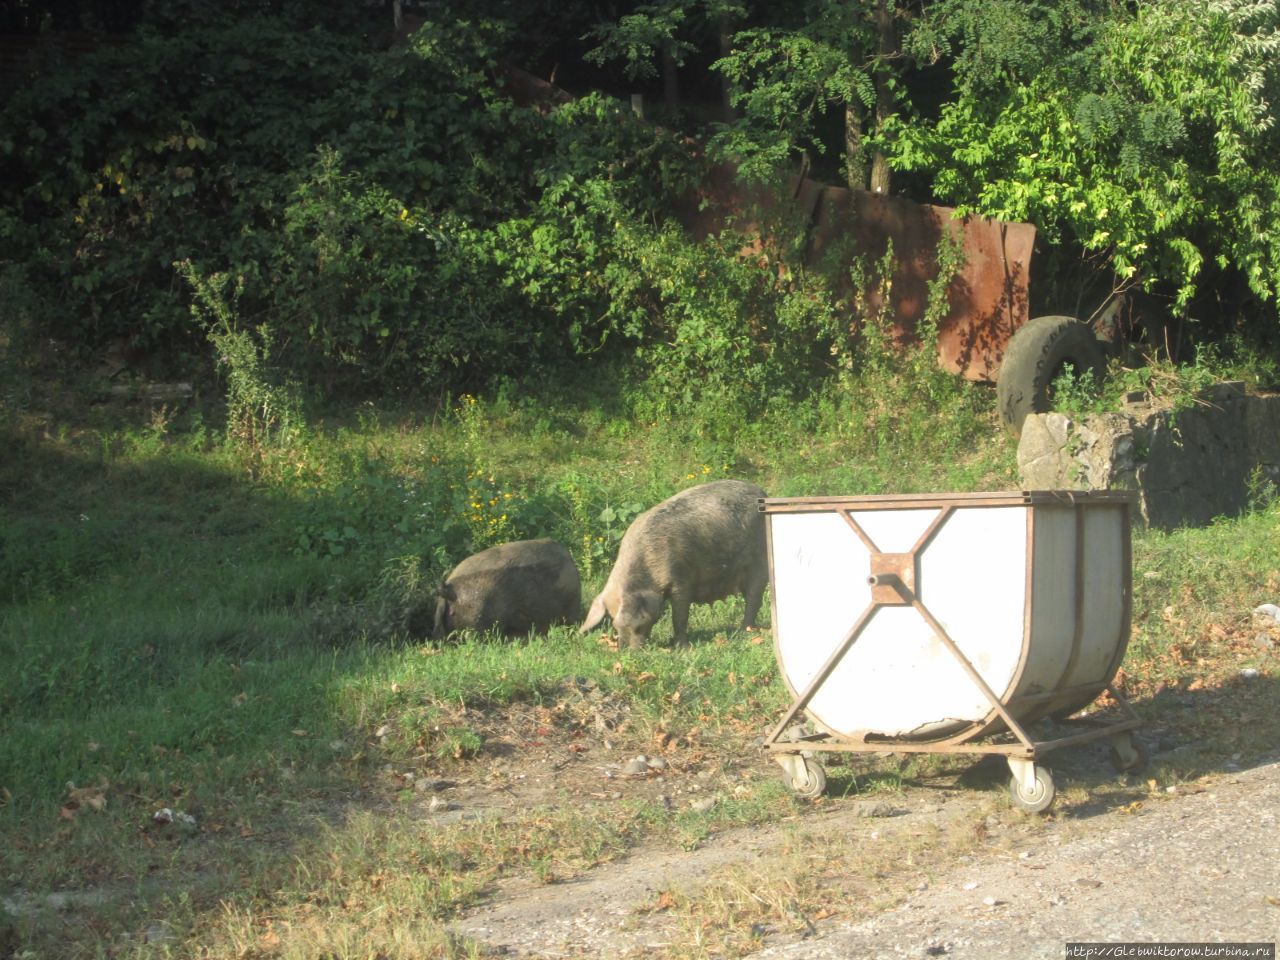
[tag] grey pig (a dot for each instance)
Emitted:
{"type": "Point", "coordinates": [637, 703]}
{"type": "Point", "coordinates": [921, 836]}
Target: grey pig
{"type": "Point", "coordinates": [703, 544]}
{"type": "Point", "coordinates": [514, 587]}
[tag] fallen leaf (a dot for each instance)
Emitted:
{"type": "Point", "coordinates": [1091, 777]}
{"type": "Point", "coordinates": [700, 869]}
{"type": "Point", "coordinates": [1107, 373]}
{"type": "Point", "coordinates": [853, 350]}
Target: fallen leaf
{"type": "Point", "coordinates": [92, 797]}
{"type": "Point", "coordinates": [664, 902]}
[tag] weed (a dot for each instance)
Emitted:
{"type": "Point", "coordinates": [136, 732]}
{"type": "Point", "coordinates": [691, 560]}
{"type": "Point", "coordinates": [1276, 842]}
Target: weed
{"type": "Point", "coordinates": [263, 411]}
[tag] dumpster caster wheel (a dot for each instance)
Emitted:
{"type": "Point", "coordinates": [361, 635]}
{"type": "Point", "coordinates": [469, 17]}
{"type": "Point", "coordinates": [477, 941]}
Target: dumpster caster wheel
{"type": "Point", "coordinates": [1036, 799]}
{"type": "Point", "coordinates": [811, 783]}
{"type": "Point", "coordinates": [1128, 754]}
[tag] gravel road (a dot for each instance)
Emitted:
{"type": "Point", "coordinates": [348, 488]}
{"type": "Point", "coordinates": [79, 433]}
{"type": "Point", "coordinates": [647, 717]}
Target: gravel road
{"type": "Point", "coordinates": [1201, 864]}
{"type": "Point", "coordinates": [1201, 867]}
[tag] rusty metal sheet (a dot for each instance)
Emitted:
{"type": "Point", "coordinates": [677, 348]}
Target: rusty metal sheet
{"type": "Point", "coordinates": [988, 298]}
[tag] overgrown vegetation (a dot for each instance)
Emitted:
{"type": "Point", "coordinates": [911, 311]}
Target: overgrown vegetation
{"type": "Point", "coordinates": [420, 318]}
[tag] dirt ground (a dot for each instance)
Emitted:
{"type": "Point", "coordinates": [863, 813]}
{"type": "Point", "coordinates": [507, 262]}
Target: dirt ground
{"type": "Point", "coordinates": [1199, 863]}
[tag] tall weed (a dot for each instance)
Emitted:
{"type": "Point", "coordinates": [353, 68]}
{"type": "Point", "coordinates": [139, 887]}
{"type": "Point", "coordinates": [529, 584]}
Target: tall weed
{"type": "Point", "coordinates": [264, 408]}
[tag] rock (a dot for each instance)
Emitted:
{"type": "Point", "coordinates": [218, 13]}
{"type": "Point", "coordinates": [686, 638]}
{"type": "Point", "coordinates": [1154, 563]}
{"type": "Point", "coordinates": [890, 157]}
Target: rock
{"type": "Point", "coordinates": [656, 763]}
{"type": "Point", "coordinates": [1264, 641]}
{"type": "Point", "coordinates": [1267, 611]}
{"type": "Point", "coordinates": [635, 767]}
{"type": "Point", "coordinates": [877, 810]}
{"type": "Point", "coordinates": [702, 805]}
{"type": "Point", "coordinates": [1248, 673]}
{"type": "Point", "coordinates": [440, 805]}
{"type": "Point", "coordinates": [1185, 469]}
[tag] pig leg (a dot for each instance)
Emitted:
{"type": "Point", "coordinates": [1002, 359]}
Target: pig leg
{"type": "Point", "coordinates": [754, 596]}
{"type": "Point", "coordinates": [680, 619]}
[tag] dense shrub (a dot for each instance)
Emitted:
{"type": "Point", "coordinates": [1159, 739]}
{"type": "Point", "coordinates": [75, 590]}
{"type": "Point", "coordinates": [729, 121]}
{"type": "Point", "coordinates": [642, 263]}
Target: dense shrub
{"type": "Point", "coordinates": [388, 219]}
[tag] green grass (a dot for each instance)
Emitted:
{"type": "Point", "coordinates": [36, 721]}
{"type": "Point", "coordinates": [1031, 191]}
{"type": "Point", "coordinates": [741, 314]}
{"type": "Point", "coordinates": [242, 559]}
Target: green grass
{"type": "Point", "coordinates": [236, 635]}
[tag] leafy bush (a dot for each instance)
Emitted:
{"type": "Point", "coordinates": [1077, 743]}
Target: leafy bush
{"type": "Point", "coordinates": [1142, 137]}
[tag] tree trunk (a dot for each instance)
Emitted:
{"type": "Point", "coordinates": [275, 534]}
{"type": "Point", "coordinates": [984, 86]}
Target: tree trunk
{"type": "Point", "coordinates": [725, 35]}
{"type": "Point", "coordinates": [670, 79]}
{"type": "Point", "coordinates": [888, 50]}
{"type": "Point", "coordinates": [855, 155]}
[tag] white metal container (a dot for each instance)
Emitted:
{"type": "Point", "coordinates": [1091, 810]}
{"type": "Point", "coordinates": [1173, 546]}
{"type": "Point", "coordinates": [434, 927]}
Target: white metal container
{"type": "Point", "coordinates": [947, 617]}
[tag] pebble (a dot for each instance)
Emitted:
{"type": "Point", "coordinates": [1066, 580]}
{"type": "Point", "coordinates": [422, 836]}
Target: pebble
{"type": "Point", "coordinates": [1249, 673]}
{"type": "Point", "coordinates": [703, 805]}
{"type": "Point", "coordinates": [635, 767]}
{"type": "Point", "coordinates": [971, 885]}
{"type": "Point", "coordinates": [656, 763]}
{"type": "Point", "coordinates": [877, 810]}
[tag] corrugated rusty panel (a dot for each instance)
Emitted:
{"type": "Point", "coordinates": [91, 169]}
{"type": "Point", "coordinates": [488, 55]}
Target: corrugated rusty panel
{"type": "Point", "coordinates": [988, 297]}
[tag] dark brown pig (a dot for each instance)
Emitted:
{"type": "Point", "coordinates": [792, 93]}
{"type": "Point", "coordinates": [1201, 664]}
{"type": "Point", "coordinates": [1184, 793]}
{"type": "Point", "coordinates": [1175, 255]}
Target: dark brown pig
{"type": "Point", "coordinates": [527, 585]}
{"type": "Point", "coordinates": [703, 544]}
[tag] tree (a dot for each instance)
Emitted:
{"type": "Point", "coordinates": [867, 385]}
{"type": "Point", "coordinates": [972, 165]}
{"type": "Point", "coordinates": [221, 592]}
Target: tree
{"type": "Point", "coordinates": [1144, 135]}
{"type": "Point", "coordinates": [788, 73]}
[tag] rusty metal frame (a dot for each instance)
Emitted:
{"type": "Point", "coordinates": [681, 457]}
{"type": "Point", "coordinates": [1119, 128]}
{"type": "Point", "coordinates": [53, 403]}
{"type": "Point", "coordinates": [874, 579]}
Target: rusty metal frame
{"type": "Point", "coordinates": [891, 586]}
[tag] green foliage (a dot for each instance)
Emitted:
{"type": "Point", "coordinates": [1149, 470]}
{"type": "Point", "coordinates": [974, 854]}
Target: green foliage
{"type": "Point", "coordinates": [1144, 140]}
{"type": "Point", "coordinates": [392, 216]}
{"type": "Point", "coordinates": [641, 38]}
{"type": "Point", "coordinates": [786, 76]}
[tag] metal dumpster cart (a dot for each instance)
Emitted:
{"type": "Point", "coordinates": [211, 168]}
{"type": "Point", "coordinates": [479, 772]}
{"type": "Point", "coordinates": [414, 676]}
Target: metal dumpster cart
{"type": "Point", "coordinates": [949, 624]}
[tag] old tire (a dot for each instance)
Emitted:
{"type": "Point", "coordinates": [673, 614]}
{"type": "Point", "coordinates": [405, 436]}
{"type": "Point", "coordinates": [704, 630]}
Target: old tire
{"type": "Point", "coordinates": [1036, 356]}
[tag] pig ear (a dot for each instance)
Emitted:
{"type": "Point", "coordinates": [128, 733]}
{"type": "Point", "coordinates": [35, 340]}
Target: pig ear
{"type": "Point", "coordinates": [594, 615]}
